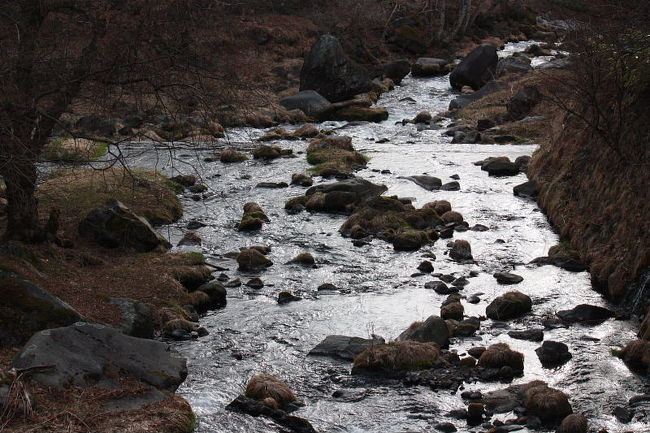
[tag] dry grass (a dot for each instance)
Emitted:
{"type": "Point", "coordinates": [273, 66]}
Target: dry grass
{"type": "Point", "coordinates": [636, 354]}
{"type": "Point", "coordinates": [82, 410]}
{"type": "Point", "coordinates": [399, 356]}
{"type": "Point", "coordinates": [74, 150]}
{"type": "Point", "coordinates": [500, 355]}
{"type": "Point", "coordinates": [548, 404]}
{"type": "Point", "coordinates": [78, 191]}
{"type": "Point", "coordinates": [263, 386]}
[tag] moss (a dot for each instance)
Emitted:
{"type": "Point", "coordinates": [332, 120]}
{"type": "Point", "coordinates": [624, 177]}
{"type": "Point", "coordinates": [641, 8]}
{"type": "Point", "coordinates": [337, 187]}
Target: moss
{"type": "Point", "coordinates": [73, 150]}
{"type": "Point", "coordinates": [77, 192]}
{"type": "Point", "coordinates": [195, 258]}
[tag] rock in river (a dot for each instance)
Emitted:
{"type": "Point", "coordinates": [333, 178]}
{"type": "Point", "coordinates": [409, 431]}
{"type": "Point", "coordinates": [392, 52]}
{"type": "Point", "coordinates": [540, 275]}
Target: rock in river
{"type": "Point", "coordinates": [509, 306]}
{"type": "Point", "coordinates": [585, 313]}
{"type": "Point", "coordinates": [476, 69]}
{"type": "Point", "coordinates": [341, 346]}
{"type": "Point", "coordinates": [432, 330]}
{"type": "Point", "coordinates": [553, 354]}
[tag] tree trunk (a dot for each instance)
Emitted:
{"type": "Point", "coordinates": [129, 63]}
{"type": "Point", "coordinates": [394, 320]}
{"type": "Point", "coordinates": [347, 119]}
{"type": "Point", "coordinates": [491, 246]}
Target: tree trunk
{"type": "Point", "coordinates": [19, 173]}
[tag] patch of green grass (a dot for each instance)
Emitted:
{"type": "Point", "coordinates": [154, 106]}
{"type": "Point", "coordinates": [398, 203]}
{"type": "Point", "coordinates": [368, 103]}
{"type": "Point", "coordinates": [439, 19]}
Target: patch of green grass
{"type": "Point", "coordinates": [72, 150]}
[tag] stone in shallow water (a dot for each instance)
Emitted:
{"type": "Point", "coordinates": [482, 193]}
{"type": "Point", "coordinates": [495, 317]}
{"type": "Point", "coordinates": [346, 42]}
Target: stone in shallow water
{"type": "Point", "coordinates": [341, 346]}
{"type": "Point", "coordinates": [508, 278]}
{"type": "Point", "coordinates": [585, 313]}
{"type": "Point", "coordinates": [528, 334]}
{"type": "Point", "coordinates": [553, 354]}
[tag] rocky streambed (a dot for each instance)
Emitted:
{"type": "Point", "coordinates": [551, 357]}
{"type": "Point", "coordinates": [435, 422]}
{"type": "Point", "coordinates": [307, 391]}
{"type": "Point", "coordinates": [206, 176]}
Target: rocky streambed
{"type": "Point", "coordinates": [377, 291]}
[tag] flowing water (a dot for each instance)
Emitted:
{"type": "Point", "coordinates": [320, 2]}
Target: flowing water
{"type": "Point", "coordinates": [378, 295]}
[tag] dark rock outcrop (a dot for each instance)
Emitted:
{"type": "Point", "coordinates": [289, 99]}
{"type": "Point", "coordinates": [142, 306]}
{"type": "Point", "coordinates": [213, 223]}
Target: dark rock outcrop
{"type": "Point", "coordinates": [432, 330]}
{"type": "Point", "coordinates": [509, 306]}
{"type": "Point", "coordinates": [476, 69]}
{"type": "Point", "coordinates": [87, 354]}
{"type": "Point", "coordinates": [464, 100]}
{"type": "Point", "coordinates": [310, 102]}
{"type": "Point", "coordinates": [585, 313]}
{"type": "Point", "coordinates": [523, 102]}
{"type": "Point", "coordinates": [328, 71]}
{"type": "Point", "coordinates": [341, 346]}
{"type": "Point", "coordinates": [397, 70]}
{"type": "Point", "coordinates": [137, 318]}
{"type": "Point", "coordinates": [553, 354]}
{"type": "Point", "coordinates": [429, 67]}
{"type": "Point", "coordinates": [114, 225]}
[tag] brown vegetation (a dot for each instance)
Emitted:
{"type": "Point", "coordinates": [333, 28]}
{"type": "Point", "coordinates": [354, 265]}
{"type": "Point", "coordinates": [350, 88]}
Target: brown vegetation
{"type": "Point", "coordinates": [398, 356]}
{"type": "Point", "coordinates": [500, 355]}
{"type": "Point", "coordinates": [269, 390]}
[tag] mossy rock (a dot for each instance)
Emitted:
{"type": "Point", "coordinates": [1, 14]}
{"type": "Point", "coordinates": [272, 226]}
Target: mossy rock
{"type": "Point", "coordinates": [26, 308]}
{"type": "Point", "coordinates": [398, 356]}
{"type": "Point", "coordinates": [230, 155]}
{"type": "Point", "coordinates": [267, 152]}
{"type": "Point", "coordinates": [509, 306]}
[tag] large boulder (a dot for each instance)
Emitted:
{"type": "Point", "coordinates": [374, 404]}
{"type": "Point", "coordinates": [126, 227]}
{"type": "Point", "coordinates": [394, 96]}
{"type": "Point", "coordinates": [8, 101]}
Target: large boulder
{"type": "Point", "coordinates": [476, 69]}
{"type": "Point", "coordinates": [513, 65]}
{"type": "Point", "coordinates": [523, 102]}
{"type": "Point", "coordinates": [337, 196]}
{"type": "Point", "coordinates": [341, 346]}
{"type": "Point", "coordinates": [26, 308]}
{"type": "Point", "coordinates": [137, 318]}
{"type": "Point", "coordinates": [328, 71]}
{"type": "Point", "coordinates": [585, 313]}
{"type": "Point", "coordinates": [432, 330]}
{"type": "Point", "coordinates": [310, 102]}
{"type": "Point", "coordinates": [397, 70]}
{"type": "Point", "coordinates": [114, 225]}
{"type": "Point", "coordinates": [89, 354]}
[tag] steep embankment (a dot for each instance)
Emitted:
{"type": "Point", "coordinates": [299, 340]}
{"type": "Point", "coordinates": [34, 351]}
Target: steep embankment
{"type": "Point", "coordinates": [599, 200]}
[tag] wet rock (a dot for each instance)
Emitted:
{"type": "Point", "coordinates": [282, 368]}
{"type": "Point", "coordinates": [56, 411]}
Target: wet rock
{"type": "Point", "coordinates": [199, 188]}
{"type": "Point", "coordinates": [464, 100]}
{"type": "Point", "coordinates": [195, 225]}
{"type": "Point", "coordinates": [301, 180]}
{"type": "Point", "coordinates": [467, 327]}
{"type": "Point", "coordinates": [553, 354]}
{"type": "Point", "coordinates": [461, 251]}
{"type": "Point", "coordinates": [310, 102]}
{"type": "Point", "coordinates": [182, 330]}
{"type": "Point", "coordinates": [528, 334]}
{"type": "Point", "coordinates": [114, 225]}
{"type": "Point", "coordinates": [500, 355]}
{"type": "Point", "coordinates": [216, 293]}
{"type": "Point", "coordinates": [468, 137]}
{"type": "Point", "coordinates": [452, 217]}
{"type": "Point", "coordinates": [429, 183]}
{"type": "Point", "coordinates": [574, 423]}
{"type": "Point", "coordinates": [450, 186]}
{"type": "Point", "coordinates": [233, 283]}
{"type": "Point", "coordinates": [429, 67]}
{"type": "Point", "coordinates": [507, 278]}
{"type": "Point", "coordinates": [432, 330]}
{"type": "Point", "coordinates": [476, 352]}
{"type": "Point", "coordinates": [476, 69]}
{"type": "Point", "coordinates": [475, 413]}
{"type": "Point", "coordinates": [397, 70]}
{"type": "Point", "coordinates": [523, 162]}
{"type": "Point", "coordinates": [328, 71]}
{"type": "Point", "coordinates": [585, 313]}
{"type": "Point", "coordinates": [187, 180]}
{"type": "Point", "coordinates": [349, 395]}
{"type": "Point", "coordinates": [267, 152]}
{"type": "Point", "coordinates": [398, 356]}
{"type": "Point", "coordinates": [252, 407]}
{"type": "Point", "coordinates": [136, 318]}
{"type": "Point", "coordinates": [26, 308]}
{"type": "Point", "coordinates": [440, 288]}
{"type": "Point", "coordinates": [336, 197]}
{"type": "Point", "coordinates": [440, 206]}
{"type": "Point", "coordinates": [255, 283]}
{"type": "Point", "coordinates": [446, 427]}
{"type": "Point", "coordinates": [479, 228]}
{"type": "Point", "coordinates": [327, 287]}
{"type": "Point", "coordinates": [509, 306]}
{"type": "Point", "coordinates": [501, 167]}
{"type": "Point", "coordinates": [341, 346]}
{"type": "Point", "coordinates": [361, 114]}
{"type": "Point", "coordinates": [286, 297]}
{"type": "Point", "coordinates": [523, 102]}
{"type": "Point", "coordinates": [426, 267]}
{"type": "Point", "coordinates": [536, 50]}
{"type": "Point", "coordinates": [623, 414]}
{"type": "Point", "coordinates": [408, 241]}
{"type": "Point", "coordinates": [89, 354]}
{"type": "Point", "coordinates": [528, 189]}
{"type": "Point", "coordinates": [190, 239]}
{"type": "Point", "coordinates": [423, 117]}
{"type": "Point", "coordinates": [460, 282]}
{"type": "Point", "coordinates": [272, 185]}
{"type": "Point", "coordinates": [251, 259]}
{"type": "Point", "coordinates": [304, 259]}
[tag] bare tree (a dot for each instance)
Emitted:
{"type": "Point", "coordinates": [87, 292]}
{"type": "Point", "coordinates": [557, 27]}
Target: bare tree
{"type": "Point", "coordinates": [56, 52]}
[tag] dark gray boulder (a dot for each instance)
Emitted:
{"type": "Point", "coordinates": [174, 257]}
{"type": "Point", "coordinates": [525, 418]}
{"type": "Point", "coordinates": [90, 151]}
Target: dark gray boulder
{"type": "Point", "coordinates": [441, 288]}
{"type": "Point", "coordinates": [508, 278]}
{"type": "Point", "coordinates": [527, 334]}
{"type": "Point", "coordinates": [290, 423]}
{"type": "Point", "coordinates": [513, 65]}
{"type": "Point", "coordinates": [26, 308]}
{"type": "Point", "coordinates": [310, 102]}
{"type": "Point", "coordinates": [528, 189]}
{"type": "Point", "coordinates": [137, 318]}
{"type": "Point", "coordinates": [429, 183]}
{"type": "Point", "coordinates": [339, 195]}
{"type": "Point", "coordinates": [95, 125]}
{"type": "Point", "coordinates": [216, 293]}
{"type": "Point", "coordinates": [432, 330]}
{"type": "Point", "coordinates": [89, 354]}
{"type": "Point", "coordinates": [476, 69]}
{"type": "Point", "coordinates": [509, 306]}
{"type": "Point", "coordinates": [523, 102]}
{"type": "Point", "coordinates": [464, 100]}
{"type": "Point", "coordinates": [553, 354]}
{"type": "Point", "coordinates": [585, 313]}
{"type": "Point", "coordinates": [499, 167]}
{"type": "Point", "coordinates": [341, 346]}
{"type": "Point", "coordinates": [114, 225]}
{"type": "Point", "coordinates": [397, 70]}
{"type": "Point", "coordinates": [461, 251]}
{"type": "Point", "coordinates": [331, 73]}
